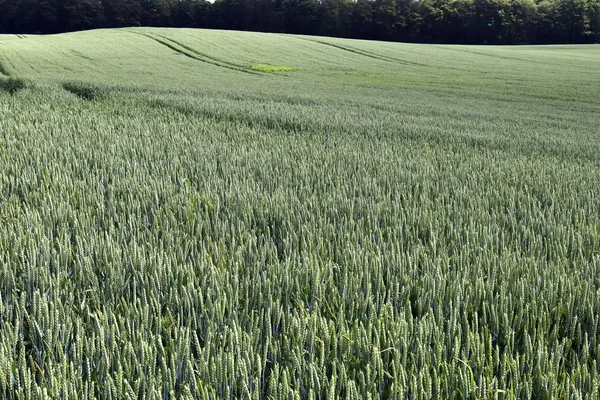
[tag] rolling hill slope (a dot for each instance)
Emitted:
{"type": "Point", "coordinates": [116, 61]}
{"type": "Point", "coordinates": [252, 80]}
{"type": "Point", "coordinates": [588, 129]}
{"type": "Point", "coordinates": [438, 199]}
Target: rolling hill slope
{"type": "Point", "coordinates": [200, 58]}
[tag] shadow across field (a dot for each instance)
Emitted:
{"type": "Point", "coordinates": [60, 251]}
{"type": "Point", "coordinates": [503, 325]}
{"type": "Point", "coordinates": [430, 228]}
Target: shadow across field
{"type": "Point", "coordinates": [12, 85]}
{"type": "Point", "coordinates": [3, 70]}
{"type": "Point", "coordinates": [84, 91]}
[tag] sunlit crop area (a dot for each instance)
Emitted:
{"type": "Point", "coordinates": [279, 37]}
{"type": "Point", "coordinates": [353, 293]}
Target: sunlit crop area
{"type": "Point", "coordinates": [379, 220]}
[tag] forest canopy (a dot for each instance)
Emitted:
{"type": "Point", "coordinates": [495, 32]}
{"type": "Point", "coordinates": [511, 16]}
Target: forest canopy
{"type": "Point", "coordinates": [426, 21]}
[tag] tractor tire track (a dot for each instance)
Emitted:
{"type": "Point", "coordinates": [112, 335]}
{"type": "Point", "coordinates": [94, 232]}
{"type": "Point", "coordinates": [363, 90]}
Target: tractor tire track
{"type": "Point", "coordinates": [366, 53]}
{"type": "Point", "coordinates": [178, 48]}
{"type": "Point", "coordinates": [496, 56]}
{"type": "Point", "coordinates": [217, 60]}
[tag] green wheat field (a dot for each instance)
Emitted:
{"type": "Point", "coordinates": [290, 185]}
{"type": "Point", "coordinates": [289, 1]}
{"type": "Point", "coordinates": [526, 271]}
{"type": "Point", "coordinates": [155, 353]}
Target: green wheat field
{"type": "Point", "coordinates": [206, 214]}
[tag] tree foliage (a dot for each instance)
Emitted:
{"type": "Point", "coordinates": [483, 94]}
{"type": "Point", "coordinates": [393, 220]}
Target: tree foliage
{"type": "Point", "coordinates": [441, 21]}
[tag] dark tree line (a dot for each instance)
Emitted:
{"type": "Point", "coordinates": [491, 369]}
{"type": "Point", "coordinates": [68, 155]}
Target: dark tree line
{"type": "Point", "coordinates": [439, 21]}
